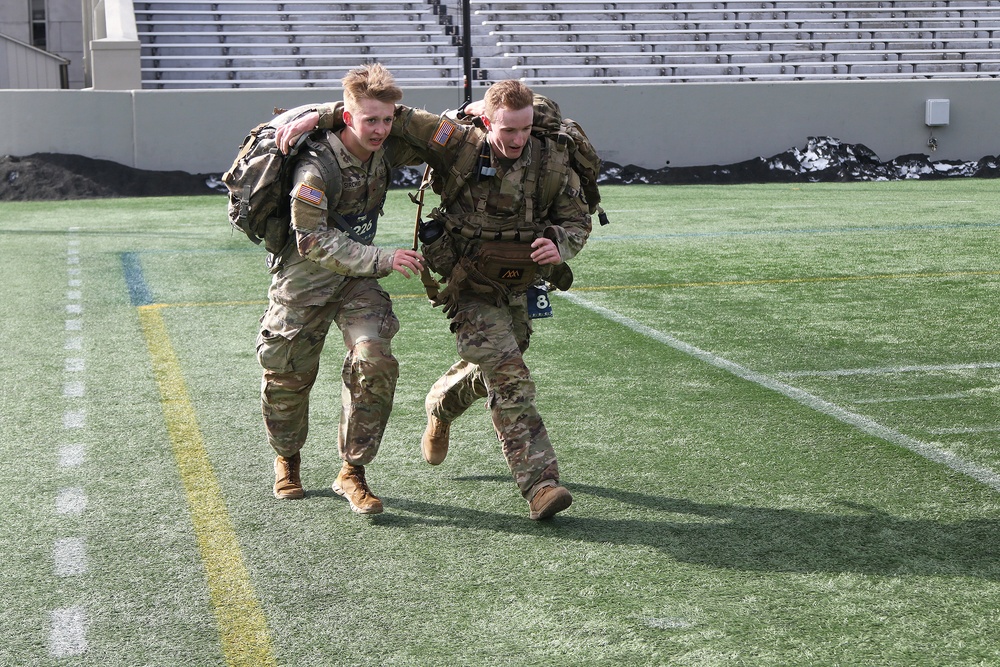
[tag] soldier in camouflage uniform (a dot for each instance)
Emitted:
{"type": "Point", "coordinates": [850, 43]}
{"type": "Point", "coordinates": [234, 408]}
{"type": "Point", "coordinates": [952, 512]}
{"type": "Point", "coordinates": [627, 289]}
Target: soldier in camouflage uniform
{"type": "Point", "coordinates": [495, 195]}
{"type": "Point", "coordinates": [329, 276]}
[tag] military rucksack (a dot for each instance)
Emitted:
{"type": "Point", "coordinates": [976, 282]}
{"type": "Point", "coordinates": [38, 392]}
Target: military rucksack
{"type": "Point", "coordinates": [259, 182]}
{"type": "Point", "coordinates": [583, 157]}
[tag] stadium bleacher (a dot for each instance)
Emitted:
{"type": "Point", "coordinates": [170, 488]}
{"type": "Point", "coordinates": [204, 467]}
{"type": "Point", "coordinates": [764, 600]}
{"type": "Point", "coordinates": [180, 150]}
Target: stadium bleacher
{"type": "Point", "coordinates": [244, 43]}
{"type": "Point", "coordinates": [261, 43]}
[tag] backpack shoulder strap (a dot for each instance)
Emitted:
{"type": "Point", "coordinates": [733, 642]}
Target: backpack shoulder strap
{"type": "Point", "coordinates": [554, 171]}
{"type": "Point", "coordinates": [464, 166]}
{"type": "Point", "coordinates": [329, 169]}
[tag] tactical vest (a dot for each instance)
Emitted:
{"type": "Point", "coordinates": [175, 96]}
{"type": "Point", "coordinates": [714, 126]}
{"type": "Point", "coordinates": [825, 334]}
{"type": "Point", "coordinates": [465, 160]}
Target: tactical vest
{"type": "Point", "coordinates": [360, 226]}
{"type": "Point", "coordinates": [544, 178]}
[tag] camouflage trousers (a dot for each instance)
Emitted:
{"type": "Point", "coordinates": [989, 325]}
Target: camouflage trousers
{"type": "Point", "coordinates": [288, 349]}
{"type": "Point", "coordinates": [491, 341]}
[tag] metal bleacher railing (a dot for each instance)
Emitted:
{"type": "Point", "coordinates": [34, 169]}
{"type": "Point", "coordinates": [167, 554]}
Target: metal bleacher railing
{"type": "Point", "coordinates": [244, 43]}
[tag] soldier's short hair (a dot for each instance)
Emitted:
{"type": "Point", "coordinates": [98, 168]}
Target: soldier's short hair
{"type": "Point", "coordinates": [370, 82]}
{"type": "Point", "coordinates": [507, 94]}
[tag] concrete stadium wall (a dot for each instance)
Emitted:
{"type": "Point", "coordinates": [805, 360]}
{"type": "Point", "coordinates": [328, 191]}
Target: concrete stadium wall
{"type": "Point", "coordinates": [647, 126]}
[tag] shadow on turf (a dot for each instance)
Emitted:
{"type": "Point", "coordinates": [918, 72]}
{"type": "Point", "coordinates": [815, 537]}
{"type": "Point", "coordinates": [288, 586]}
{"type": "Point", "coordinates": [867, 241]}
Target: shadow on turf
{"type": "Point", "coordinates": [862, 539]}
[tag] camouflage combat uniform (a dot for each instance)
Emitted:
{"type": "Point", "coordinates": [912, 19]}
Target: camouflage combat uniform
{"type": "Point", "coordinates": [492, 326]}
{"type": "Point", "coordinates": [327, 277]}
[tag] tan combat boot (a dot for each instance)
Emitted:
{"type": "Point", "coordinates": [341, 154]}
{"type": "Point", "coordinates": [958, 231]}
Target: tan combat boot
{"type": "Point", "coordinates": [287, 484]}
{"type": "Point", "coordinates": [434, 444]}
{"type": "Point", "coordinates": [351, 484]}
{"type": "Point", "coordinates": [548, 501]}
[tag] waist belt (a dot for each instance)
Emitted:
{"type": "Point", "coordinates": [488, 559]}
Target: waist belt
{"type": "Point", "coordinates": [508, 264]}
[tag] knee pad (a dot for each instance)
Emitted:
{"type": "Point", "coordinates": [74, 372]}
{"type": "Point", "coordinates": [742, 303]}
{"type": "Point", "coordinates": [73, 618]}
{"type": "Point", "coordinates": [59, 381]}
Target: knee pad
{"type": "Point", "coordinates": [372, 358]}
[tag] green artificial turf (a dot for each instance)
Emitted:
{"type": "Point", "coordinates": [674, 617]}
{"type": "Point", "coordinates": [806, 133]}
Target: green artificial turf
{"type": "Point", "coordinates": [703, 385]}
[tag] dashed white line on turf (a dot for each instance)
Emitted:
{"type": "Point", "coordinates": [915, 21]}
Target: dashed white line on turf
{"type": "Point", "coordinates": [71, 501]}
{"type": "Point", "coordinates": [74, 418]}
{"type": "Point", "coordinates": [70, 556]}
{"type": "Point", "coordinates": [72, 455]}
{"type": "Point", "coordinates": [68, 634]}
{"type": "Point", "coordinates": [860, 422]}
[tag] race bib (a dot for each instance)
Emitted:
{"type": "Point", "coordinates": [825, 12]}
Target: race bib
{"type": "Point", "coordinates": [363, 226]}
{"type": "Point", "coordinates": [539, 305]}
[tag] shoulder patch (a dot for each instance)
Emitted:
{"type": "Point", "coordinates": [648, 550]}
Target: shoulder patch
{"type": "Point", "coordinates": [308, 194]}
{"type": "Point", "coordinates": [444, 132]}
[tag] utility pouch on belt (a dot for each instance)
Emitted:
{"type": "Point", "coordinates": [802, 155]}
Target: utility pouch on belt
{"type": "Point", "coordinates": [437, 247]}
{"type": "Point", "coordinates": [507, 263]}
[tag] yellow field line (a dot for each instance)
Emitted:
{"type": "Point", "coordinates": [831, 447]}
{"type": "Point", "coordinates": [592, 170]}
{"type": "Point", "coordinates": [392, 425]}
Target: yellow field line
{"type": "Point", "coordinates": [242, 626]}
{"type": "Point", "coordinates": [202, 304]}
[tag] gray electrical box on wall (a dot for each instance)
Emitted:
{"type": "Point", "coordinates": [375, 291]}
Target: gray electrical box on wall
{"type": "Point", "coordinates": [936, 112]}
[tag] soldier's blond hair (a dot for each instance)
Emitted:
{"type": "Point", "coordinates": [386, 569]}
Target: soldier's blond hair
{"type": "Point", "coordinates": [370, 82]}
{"type": "Point", "coordinates": [507, 94]}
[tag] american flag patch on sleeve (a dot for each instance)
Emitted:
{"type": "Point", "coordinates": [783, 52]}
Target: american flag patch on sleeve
{"type": "Point", "coordinates": [308, 194]}
{"type": "Point", "coordinates": [443, 132]}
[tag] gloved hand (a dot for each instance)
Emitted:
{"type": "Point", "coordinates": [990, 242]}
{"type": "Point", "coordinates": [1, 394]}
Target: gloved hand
{"type": "Point", "coordinates": [561, 276]}
{"type": "Point", "coordinates": [447, 298]}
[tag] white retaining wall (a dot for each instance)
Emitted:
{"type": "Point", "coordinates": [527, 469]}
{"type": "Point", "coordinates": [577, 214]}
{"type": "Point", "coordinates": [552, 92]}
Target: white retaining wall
{"type": "Point", "coordinates": [686, 124]}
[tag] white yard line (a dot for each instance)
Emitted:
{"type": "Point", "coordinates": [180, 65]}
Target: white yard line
{"type": "Point", "coordinates": [860, 422]}
{"type": "Point", "coordinates": [964, 430]}
{"type": "Point", "coordinates": [907, 399]}
{"type": "Point", "coordinates": [890, 370]}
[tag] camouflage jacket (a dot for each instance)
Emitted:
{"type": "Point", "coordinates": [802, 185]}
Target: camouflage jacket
{"type": "Point", "coordinates": [441, 141]}
{"type": "Point", "coordinates": [504, 192]}
{"type": "Point", "coordinates": [324, 256]}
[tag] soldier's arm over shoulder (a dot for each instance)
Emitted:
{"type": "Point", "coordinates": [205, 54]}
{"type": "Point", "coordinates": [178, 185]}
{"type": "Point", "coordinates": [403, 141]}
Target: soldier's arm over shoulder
{"type": "Point", "coordinates": [331, 116]}
{"type": "Point", "coordinates": [433, 137]}
{"type": "Point", "coordinates": [547, 113]}
{"type": "Point", "coordinates": [398, 153]}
